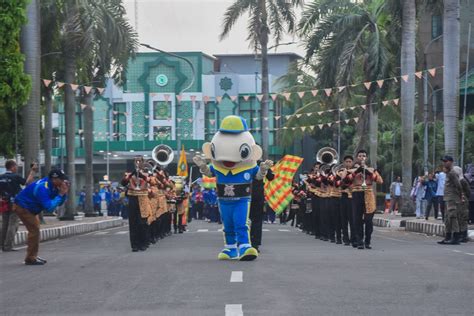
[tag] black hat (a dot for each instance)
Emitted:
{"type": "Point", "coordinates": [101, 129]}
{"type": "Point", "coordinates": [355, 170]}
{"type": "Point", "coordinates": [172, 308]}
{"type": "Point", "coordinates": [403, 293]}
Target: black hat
{"type": "Point", "coordinates": [447, 158]}
{"type": "Point", "coordinates": [57, 173]}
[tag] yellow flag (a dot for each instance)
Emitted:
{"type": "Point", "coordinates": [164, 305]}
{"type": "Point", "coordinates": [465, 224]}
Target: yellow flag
{"type": "Point", "coordinates": [182, 164]}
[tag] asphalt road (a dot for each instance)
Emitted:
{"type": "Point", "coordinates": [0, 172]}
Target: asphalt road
{"type": "Point", "coordinates": [97, 274]}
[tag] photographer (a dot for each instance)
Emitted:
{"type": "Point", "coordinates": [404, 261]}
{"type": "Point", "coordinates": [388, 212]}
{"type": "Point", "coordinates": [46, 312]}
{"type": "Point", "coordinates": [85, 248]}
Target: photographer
{"type": "Point", "coordinates": [10, 185]}
{"type": "Point", "coordinates": [45, 194]}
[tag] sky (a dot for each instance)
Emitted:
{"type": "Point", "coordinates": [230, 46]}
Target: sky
{"type": "Point", "coordinates": [192, 25]}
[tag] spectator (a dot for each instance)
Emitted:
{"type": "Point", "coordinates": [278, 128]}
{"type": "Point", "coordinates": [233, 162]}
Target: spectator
{"type": "Point", "coordinates": [418, 194]}
{"type": "Point", "coordinates": [97, 199]}
{"type": "Point", "coordinates": [10, 186]}
{"type": "Point", "coordinates": [439, 204]}
{"type": "Point", "coordinates": [82, 199]}
{"type": "Point", "coordinates": [395, 194]}
{"type": "Point", "coordinates": [469, 175]}
{"type": "Point", "coordinates": [430, 194]}
{"type": "Point", "coordinates": [45, 194]}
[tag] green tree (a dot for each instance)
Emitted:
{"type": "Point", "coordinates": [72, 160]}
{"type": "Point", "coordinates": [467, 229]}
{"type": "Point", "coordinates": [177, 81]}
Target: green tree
{"type": "Point", "coordinates": [268, 18]}
{"type": "Point", "coordinates": [14, 83]}
{"type": "Point", "coordinates": [348, 41]}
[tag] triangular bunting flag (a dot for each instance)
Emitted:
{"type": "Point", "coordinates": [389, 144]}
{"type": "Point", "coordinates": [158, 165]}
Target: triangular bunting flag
{"type": "Point", "coordinates": [265, 118]}
{"type": "Point", "coordinates": [301, 94]}
{"type": "Point", "coordinates": [83, 106]}
{"type": "Point", "coordinates": [309, 114]}
{"type": "Point", "coordinates": [46, 82]}
{"type": "Point", "coordinates": [190, 120]}
{"type": "Point", "coordinates": [328, 91]}
{"type": "Point", "coordinates": [320, 112]}
{"type": "Point", "coordinates": [73, 86]}
{"type": "Point", "coordinates": [287, 117]}
{"type": "Point", "coordinates": [432, 72]}
{"type": "Point", "coordinates": [339, 89]}
{"type": "Point", "coordinates": [320, 126]}
{"type": "Point", "coordinates": [293, 128]}
{"type": "Point", "coordinates": [380, 83]}
{"type": "Point", "coordinates": [312, 127]}
{"type": "Point", "coordinates": [179, 97]}
{"type": "Point", "coordinates": [385, 103]}
{"type": "Point", "coordinates": [274, 97]}
{"type": "Point", "coordinates": [419, 74]}
{"type": "Point", "coordinates": [93, 108]}
{"type": "Point", "coordinates": [347, 121]}
{"type": "Point", "coordinates": [212, 122]}
{"type": "Point", "coordinates": [298, 115]}
{"type": "Point", "coordinates": [303, 128]}
{"type": "Point", "coordinates": [314, 92]}
{"type": "Point", "coordinates": [80, 131]}
{"type": "Point", "coordinates": [367, 85]}
{"type": "Point", "coordinates": [101, 90]}
{"type": "Point", "coordinates": [233, 98]}
{"type": "Point", "coordinates": [179, 120]}
{"type": "Point", "coordinates": [364, 106]}
{"type": "Point", "coordinates": [218, 99]}
{"type": "Point", "coordinates": [405, 78]}
{"type": "Point", "coordinates": [87, 89]}
{"type": "Point", "coordinates": [114, 122]}
{"type": "Point", "coordinates": [205, 99]}
{"type": "Point", "coordinates": [59, 84]}
{"type": "Point", "coordinates": [356, 119]}
{"type": "Point", "coordinates": [115, 112]}
{"type": "Point", "coordinates": [277, 117]}
{"type": "Point", "coordinates": [287, 95]}
{"type": "Point", "coordinates": [147, 116]}
{"type": "Point", "coordinates": [396, 101]}
{"type": "Point", "coordinates": [259, 97]}
{"type": "Point", "coordinates": [193, 98]}
{"type": "Point", "coordinates": [255, 119]}
{"type": "Point", "coordinates": [246, 98]}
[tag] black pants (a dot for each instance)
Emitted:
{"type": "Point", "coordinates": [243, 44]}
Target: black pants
{"type": "Point", "coordinates": [256, 216]}
{"type": "Point", "coordinates": [316, 209]}
{"type": "Point", "coordinates": [345, 211]}
{"type": "Point", "coordinates": [439, 204]}
{"type": "Point", "coordinates": [337, 217]}
{"type": "Point", "coordinates": [324, 218]}
{"type": "Point", "coordinates": [136, 224]}
{"type": "Point", "coordinates": [361, 219]}
{"type": "Point", "coordinates": [292, 216]}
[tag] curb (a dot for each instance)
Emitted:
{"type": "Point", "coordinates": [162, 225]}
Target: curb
{"type": "Point", "coordinates": [69, 230]}
{"type": "Point", "coordinates": [425, 228]}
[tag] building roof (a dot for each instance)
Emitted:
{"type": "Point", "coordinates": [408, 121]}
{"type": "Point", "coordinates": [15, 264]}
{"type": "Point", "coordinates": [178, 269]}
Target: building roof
{"type": "Point", "coordinates": [186, 53]}
{"type": "Point", "coordinates": [290, 54]}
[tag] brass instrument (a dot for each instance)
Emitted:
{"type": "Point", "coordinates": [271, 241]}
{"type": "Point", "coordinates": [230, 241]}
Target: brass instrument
{"type": "Point", "coordinates": [339, 170]}
{"type": "Point", "coordinates": [328, 157]}
{"type": "Point", "coordinates": [162, 155]}
{"type": "Point", "coordinates": [325, 170]}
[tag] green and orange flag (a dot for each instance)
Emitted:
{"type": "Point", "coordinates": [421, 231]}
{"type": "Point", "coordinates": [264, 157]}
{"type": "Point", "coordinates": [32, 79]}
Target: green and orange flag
{"type": "Point", "coordinates": [278, 191]}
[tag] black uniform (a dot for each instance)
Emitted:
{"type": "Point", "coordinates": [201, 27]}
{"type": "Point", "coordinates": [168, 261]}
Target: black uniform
{"type": "Point", "coordinates": [256, 210]}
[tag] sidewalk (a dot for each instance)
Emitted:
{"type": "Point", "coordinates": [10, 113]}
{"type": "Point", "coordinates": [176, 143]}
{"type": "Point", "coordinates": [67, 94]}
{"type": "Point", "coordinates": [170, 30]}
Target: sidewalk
{"type": "Point", "coordinates": [429, 227]}
{"type": "Point", "coordinates": [54, 228]}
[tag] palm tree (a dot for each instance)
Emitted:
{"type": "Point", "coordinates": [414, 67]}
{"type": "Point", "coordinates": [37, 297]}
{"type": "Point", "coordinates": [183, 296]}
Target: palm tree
{"type": "Point", "coordinates": [268, 18]}
{"type": "Point", "coordinates": [114, 43]}
{"type": "Point", "coordinates": [407, 64]}
{"type": "Point", "coordinates": [31, 46]}
{"type": "Point", "coordinates": [451, 47]}
{"type": "Point", "coordinates": [347, 41]}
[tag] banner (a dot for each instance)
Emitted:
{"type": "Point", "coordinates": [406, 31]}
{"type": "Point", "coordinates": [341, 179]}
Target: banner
{"type": "Point", "coordinates": [278, 191]}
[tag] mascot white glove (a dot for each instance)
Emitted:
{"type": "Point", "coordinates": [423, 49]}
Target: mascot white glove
{"type": "Point", "coordinates": [203, 167]}
{"type": "Point", "coordinates": [264, 167]}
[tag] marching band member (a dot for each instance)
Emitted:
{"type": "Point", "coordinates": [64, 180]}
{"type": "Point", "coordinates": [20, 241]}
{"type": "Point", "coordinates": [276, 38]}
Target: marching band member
{"type": "Point", "coordinates": [363, 199]}
{"type": "Point", "coordinates": [334, 206]}
{"type": "Point", "coordinates": [345, 207]}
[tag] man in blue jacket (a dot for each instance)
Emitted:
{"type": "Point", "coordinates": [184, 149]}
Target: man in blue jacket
{"type": "Point", "coordinates": [43, 195]}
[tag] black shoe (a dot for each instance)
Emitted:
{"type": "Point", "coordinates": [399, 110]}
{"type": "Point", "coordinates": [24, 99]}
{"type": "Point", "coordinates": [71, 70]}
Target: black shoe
{"type": "Point", "coordinates": [446, 239]}
{"type": "Point", "coordinates": [464, 237]}
{"type": "Point", "coordinates": [135, 249]}
{"type": "Point", "coordinates": [143, 248]}
{"type": "Point", "coordinates": [333, 240]}
{"type": "Point", "coordinates": [41, 259]}
{"type": "Point", "coordinates": [360, 247]}
{"type": "Point", "coordinates": [339, 242]}
{"type": "Point", "coordinates": [367, 246]}
{"type": "Point", "coordinates": [35, 262]}
{"type": "Point", "coordinates": [454, 240]}
{"type": "Point", "coordinates": [346, 243]}
{"type": "Point", "coordinates": [317, 237]}
{"type": "Point", "coordinates": [354, 245]}
{"type": "Point", "coordinates": [180, 231]}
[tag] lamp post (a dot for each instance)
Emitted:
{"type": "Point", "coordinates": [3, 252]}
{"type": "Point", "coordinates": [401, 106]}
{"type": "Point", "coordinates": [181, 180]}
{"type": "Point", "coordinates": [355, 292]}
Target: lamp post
{"type": "Point", "coordinates": [465, 96]}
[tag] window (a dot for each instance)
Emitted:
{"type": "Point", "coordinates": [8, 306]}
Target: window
{"type": "Point", "coordinates": [162, 133]}
{"type": "Point", "coordinates": [161, 110]}
{"type": "Point", "coordinates": [436, 26]}
{"type": "Point", "coordinates": [120, 121]}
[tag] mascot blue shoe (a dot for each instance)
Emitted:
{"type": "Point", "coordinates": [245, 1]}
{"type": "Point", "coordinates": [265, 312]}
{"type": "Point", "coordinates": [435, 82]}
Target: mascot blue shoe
{"type": "Point", "coordinates": [229, 253]}
{"type": "Point", "coordinates": [234, 154]}
{"type": "Point", "coordinates": [248, 253]}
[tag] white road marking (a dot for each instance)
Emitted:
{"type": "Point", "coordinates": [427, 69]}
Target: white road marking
{"type": "Point", "coordinates": [122, 232]}
{"type": "Point", "coordinates": [456, 251]}
{"type": "Point", "coordinates": [101, 233]}
{"type": "Point", "coordinates": [202, 230]}
{"type": "Point", "coordinates": [283, 230]}
{"type": "Point", "coordinates": [470, 254]}
{"type": "Point", "coordinates": [220, 230]}
{"type": "Point", "coordinates": [265, 230]}
{"type": "Point", "coordinates": [233, 310]}
{"type": "Point", "coordinates": [236, 276]}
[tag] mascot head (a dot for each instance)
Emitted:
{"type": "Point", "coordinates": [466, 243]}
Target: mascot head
{"type": "Point", "coordinates": [232, 146]}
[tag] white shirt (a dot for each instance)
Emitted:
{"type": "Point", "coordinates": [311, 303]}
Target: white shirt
{"type": "Point", "coordinates": [397, 189]}
{"type": "Point", "coordinates": [441, 179]}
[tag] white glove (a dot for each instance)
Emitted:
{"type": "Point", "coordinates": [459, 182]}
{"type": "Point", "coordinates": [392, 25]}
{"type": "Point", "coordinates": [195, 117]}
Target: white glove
{"type": "Point", "coordinates": [264, 167]}
{"type": "Point", "coordinates": [203, 167]}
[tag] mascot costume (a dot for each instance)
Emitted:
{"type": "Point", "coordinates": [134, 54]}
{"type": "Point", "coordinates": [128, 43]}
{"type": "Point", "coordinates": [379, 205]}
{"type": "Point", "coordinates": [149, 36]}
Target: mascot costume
{"type": "Point", "coordinates": [234, 154]}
